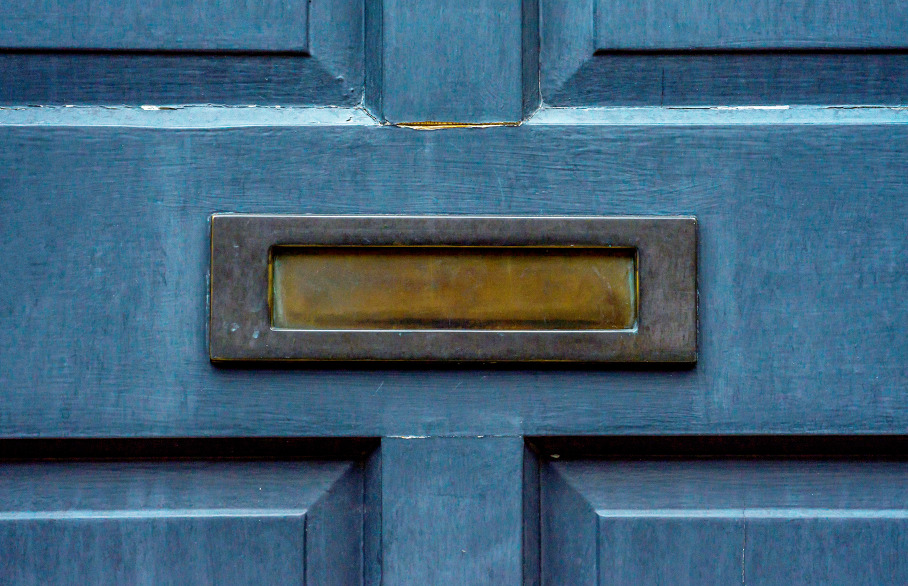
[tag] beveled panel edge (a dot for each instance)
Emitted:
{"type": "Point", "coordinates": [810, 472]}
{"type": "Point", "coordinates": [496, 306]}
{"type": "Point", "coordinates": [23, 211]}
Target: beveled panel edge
{"type": "Point", "coordinates": [239, 314]}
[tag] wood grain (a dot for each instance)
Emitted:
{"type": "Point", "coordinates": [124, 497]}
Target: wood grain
{"type": "Point", "coordinates": [269, 25]}
{"type": "Point", "coordinates": [577, 70]}
{"type": "Point", "coordinates": [802, 269]}
{"type": "Point", "coordinates": [460, 62]}
{"type": "Point", "coordinates": [181, 522]}
{"type": "Point", "coordinates": [329, 72]}
{"type": "Point", "coordinates": [452, 510]}
{"type": "Point", "coordinates": [724, 521]}
{"type": "Point", "coordinates": [727, 24]}
{"type": "Point", "coordinates": [721, 78]}
{"type": "Point", "coordinates": [85, 78]}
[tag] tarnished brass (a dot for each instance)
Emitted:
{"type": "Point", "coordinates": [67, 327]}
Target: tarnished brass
{"type": "Point", "coordinates": [453, 288]}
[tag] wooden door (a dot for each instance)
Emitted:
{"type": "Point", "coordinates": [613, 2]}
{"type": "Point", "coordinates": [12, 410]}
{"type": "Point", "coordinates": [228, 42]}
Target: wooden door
{"type": "Point", "coordinates": [129, 458]}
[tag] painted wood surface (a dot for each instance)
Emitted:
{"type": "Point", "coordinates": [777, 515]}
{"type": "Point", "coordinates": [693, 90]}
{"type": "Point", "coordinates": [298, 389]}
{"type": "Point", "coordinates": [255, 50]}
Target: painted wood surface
{"type": "Point", "coordinates": [181, 523]}
{"type": "Point", "coordinates": [171, 25]}
{"type": "Point", "coordinates": [71, 78]}
{"type": "Point", "coordinates": [710, 79]}
{"type": "Point", "coordinates": [456, 62]}
{"type": "Point", "coordinates": [577, 71]}
{"type": "Point", "coordinates": [452, 510]}
{"type": "Point", "coordinates": [329, 73]}
{"type": "Point", "coordinates": [767, 24]}
{"type": "Point", "coordinates": [802, 264]}
{"type": "Point", "coordinates": [724, 522]}
{"type": "Point", "coordinates": [104, 240]}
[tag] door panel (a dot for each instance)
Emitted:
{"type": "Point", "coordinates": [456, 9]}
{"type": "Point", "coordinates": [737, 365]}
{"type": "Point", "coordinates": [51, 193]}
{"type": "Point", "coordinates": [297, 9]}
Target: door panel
{"type": "Point", "coordinates": [170, 25]}
{"type": "Point", "coordinates": [801, 269]}
{"type": "Point", "coordinates": [724, 521]}
{"type": "Point", "coordinates": [118, 143]}
{"type": "Point", "coordinates": [128, 54]}
{"type": "Point", "coordinates": [167, 549]}
{"type": "Point", "coordinates": [452, 510]}
{"type": "Point", "coordinates": [434, 62]}
{"type": "Point", "coordinates": [643, 53]}
{"type": "Point", "coordinates": [726, 24]}
{"type": "Point", "coordinates": [181, 523]}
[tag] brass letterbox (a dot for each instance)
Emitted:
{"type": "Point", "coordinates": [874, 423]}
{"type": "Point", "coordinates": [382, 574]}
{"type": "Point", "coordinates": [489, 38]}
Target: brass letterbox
{"type": "Point", "coordinates": [579, 289]}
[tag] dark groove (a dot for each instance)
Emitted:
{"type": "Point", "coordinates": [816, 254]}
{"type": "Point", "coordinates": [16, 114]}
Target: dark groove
{"type": "Point", "coordinates": [260, 448]}
{"type": "Point", "coordinates": [862, 447]}
{"type": "Point", "coordinates": [153, 52]}
{"type": "Point", "coordinates": [385, 367]}
{"type": "Point", "coordinates": [750, 51]}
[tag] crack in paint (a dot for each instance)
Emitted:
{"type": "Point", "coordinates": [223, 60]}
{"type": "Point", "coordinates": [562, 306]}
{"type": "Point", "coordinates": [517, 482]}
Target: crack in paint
{"type": "Point", "coordinates": [744, 554]}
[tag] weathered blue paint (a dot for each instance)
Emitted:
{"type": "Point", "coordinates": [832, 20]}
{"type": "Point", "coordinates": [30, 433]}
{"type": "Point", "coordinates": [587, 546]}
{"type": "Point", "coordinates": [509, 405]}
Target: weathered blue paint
{"type": "Point", "coordinates": [452, 510]}
{"type": "Point", "coordinates": [724, 521]}
{"type": "Point", "coordinates": [457, 61]}
{"type": "Point", "coordinates": [802, 248]}
{"type": "Point", "coordinates": [330, 73]}
{"type": "Point", "coordinates": [729, 24]}
{"type": "Point", "coordinates": [711, 79]}
{"type": "Point", "coordinates": [181, 523]}
{"type": "Point", "coordinates": [74, 78]}
{"type": "Point", "coordinates": [576, 71]}
{"type": "Point", "coordinates": [372, 519]}
{"type": "Point", "coordinates": [802, 277]}
{"type": "Point", "coordinates": [170, 25]}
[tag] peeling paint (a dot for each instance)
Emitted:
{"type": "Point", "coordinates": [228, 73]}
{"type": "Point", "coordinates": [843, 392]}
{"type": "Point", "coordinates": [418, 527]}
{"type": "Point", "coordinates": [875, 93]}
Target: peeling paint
{"type": "Point", "coordinates": [728, 107]}
{"type": "Point", "coordinates": [181, 116]}
{"type": "Point", "coordinates": [865, 107]}
{"type": "Point", "coordinates": [721, 115]}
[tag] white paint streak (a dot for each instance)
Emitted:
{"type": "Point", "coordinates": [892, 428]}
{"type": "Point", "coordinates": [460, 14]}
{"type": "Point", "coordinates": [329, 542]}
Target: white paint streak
{"type": "Point", "coordinates": [754, 513]}
{"type": "Point", "coordinates": [149, 514]}
{"type": "Point", "coordinates": [183, 117]}
{"type": "Point", "coordinates": [720, 116]}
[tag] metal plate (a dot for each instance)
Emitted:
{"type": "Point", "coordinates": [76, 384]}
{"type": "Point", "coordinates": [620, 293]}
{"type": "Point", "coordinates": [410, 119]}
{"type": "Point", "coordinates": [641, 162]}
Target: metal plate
{"type": "Point", "coordinates": [242, 258]}
{"type": "Point", "coordinates": [453, 288]}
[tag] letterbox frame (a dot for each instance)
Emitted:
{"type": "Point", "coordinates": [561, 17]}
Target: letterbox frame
{"type": "Point", "coordinates": [240, 315]}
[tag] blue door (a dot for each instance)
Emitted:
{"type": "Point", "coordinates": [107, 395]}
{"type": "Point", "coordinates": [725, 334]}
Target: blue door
{"type": "Point", "coordinates": [128, 457]}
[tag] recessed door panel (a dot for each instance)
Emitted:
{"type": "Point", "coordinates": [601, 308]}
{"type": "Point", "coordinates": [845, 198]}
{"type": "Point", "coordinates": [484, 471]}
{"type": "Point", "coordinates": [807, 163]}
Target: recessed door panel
{"type": "Point", "coordinates": [181, 523]}
{"type": "Point", "coordinates": [163, 25]}
{"type": "Point", "coordinates": [719, 521]}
